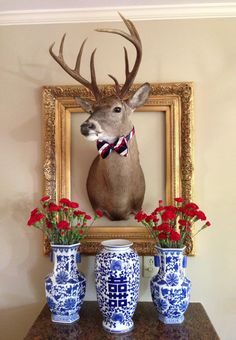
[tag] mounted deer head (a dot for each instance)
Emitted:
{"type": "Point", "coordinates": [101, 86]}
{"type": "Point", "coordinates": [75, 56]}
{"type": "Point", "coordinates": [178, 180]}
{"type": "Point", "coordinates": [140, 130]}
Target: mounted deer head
{"type": "Point", "coordinates": [115, 184]}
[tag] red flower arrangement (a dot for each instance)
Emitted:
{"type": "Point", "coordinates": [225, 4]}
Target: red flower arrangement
{"type": "Point", "coordinates": [62, 223]}
{"type": "Point", "coordinates": [171, 226]}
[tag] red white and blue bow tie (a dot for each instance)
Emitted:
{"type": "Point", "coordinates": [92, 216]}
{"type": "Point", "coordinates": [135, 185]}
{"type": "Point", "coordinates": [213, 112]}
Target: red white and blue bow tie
{"type": "Point", "coordinates": [120, 145]}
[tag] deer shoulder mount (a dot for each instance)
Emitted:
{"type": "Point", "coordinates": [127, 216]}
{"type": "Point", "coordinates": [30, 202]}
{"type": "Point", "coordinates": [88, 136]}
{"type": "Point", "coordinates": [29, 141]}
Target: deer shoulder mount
{"type": "Point", "coordinates": [115, 182]}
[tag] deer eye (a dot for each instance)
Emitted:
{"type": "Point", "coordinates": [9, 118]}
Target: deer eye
{"type": "Point", "coordinates": [117, 109]}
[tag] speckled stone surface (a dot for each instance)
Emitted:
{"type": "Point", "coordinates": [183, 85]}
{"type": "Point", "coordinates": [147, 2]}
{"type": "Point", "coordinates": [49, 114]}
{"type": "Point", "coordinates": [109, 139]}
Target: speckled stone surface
{"type": "Point", "coordinates": [196, 326]}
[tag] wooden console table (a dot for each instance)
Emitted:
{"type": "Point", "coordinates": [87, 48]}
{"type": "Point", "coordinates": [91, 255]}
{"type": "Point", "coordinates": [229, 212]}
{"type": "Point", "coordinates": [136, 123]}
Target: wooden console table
{"type": "Point", "coordinates": [196, 326]}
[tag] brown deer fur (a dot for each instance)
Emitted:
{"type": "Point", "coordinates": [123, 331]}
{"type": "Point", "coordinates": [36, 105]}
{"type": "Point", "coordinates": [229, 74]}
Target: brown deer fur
{"type": "Point", "coordinates": [115, 184]}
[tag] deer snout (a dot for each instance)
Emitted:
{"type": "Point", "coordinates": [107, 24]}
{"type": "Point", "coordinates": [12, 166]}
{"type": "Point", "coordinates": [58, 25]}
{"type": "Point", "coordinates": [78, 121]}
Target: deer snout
{"type": "Point", "coordinates": [87, 127]}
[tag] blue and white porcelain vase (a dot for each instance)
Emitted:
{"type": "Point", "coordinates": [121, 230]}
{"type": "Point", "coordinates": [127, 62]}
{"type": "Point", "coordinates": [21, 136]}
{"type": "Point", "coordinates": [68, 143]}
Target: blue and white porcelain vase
{"type": "Point", "coordinates": [65, 286]}
{"type": "Point", "coordinates": [117, 271]}
{"type": "Point", "coordinates": [170, 288]}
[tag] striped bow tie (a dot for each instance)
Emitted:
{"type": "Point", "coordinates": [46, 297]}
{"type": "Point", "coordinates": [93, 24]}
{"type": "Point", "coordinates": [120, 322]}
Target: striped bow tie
{"type": "Point", "coordinates": [120, 145]}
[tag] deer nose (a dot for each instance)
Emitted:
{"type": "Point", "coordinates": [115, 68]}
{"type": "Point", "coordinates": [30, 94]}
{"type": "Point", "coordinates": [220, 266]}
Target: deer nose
{"type": "Point", "coordinates": [86, 127]}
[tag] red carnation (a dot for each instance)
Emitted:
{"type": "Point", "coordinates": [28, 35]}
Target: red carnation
{"type": "Point", "coordinates": [45, 198]}
{"type": "Point", "coordinates": [175, 224]}
{"type": "Point", "coordinates": [149, 218]}
{"type": "Point", "coordinates": [184, 223]}
{"type": "Point", "coordinates": [63, 225]}
{"type": "Point", "coordinates": [49, 225]}
{"type": "Point", "coordinates": [62, 222]}
{"type": "Point", "coordinates": [64, 201]}
{"type": "Point", "coordinates": [191, 206]}
{"type": "Point", "coordinates": [200, 215]}
{"type": "Point", "coordinates": [35, 218]}
{"type": "Point", "coordinates": [79, 212]}
{"type": "Point", "coordinates": [159, 209]}
{"type": "Point", "coordinates": [179, 199]}
{"type": "Point", "coordinates": [162, 236]}
{"type": "Point", "coordinates": [39, 217]}
{"type": "Point", "coordinates": [30, 221]}
{"type": "Point", "coordinates": [164, 227]}
{"type": "Point", "coordinates": [171, 208]}
{"type": "Point", "coordinates": [140, 216]}
{"type": "Point", "coordinates": [190, 213]}
{"type": "Point", "coordinates": [174, 236]}
{"type": "Point", "coordinates": [168, 215]}
{"type": "Point", "coordinates": [33, 212]}
{"type": "Point", "coordinates": [99, 213]}
{"type": "Point", "coordinates": [73, 205]}
{"type": "Point", "coordinates": [54, 207]}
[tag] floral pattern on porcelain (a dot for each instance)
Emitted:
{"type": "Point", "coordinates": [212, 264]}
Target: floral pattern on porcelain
{"type": "Point", "coordinates": [66, 285]}
{"type": "Point", "coordinates": [170, 288]}
{"type": "Point", "coordinates": [117, 285]}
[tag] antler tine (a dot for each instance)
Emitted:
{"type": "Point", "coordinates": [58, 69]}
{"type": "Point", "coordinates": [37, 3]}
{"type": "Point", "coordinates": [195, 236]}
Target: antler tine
{"type": "Point", "coordinates": [126, 62]}
{"type": "Point", "coordinates": [96, 91]}
{"type": "Point", "coordinates": [134, 38]}
{"type": "Point", "coordinates": [129, 24]}
{"type": "Point", "coordinates": [117, 87]}
{"type": "Point", "coordinates": [75, 73]}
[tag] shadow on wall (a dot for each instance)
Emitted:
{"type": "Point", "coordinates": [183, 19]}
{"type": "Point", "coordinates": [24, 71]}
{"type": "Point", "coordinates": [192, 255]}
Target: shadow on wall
{"type": "Point", "coordinates": [36, 74]}
{"type": "Point", "coordinates": [29, 130]}
{"type": "Point", "coordinates": [24, 283]}
{"type": "Point", "coordinates": [23, 269]}
{"type": "Point", "coordinates": [14, 322]}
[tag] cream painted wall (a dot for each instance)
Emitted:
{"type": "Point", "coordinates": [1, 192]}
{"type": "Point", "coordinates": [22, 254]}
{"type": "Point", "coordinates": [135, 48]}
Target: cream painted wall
{"type": "Point", "coordinates": [202, 51]}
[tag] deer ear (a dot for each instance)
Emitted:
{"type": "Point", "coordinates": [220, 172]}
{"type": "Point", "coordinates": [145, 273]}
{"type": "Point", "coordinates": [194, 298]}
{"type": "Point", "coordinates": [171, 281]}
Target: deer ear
{"type": "Point", "coordinates": [86, 104]}
{"type": "Point", "coordinates": [140, 96]}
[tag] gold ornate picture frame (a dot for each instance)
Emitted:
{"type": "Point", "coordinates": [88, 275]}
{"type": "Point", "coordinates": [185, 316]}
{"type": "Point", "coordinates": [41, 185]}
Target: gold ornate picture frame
{"type": "Point", "coordinates": [174, 99]}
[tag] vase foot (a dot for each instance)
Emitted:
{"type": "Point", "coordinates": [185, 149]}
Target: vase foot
{"type": "Point", "coordinates": [171, 321]}
{"type": "Point", "coordinates": [65, 318]}
{"type": "Point", "coordinates": [118, 328]}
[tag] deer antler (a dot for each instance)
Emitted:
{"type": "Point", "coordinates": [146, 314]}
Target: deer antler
{"type": "Point", "coordinates": [75, 73]}
{"type": "Point", "coordinates": [134, 38]}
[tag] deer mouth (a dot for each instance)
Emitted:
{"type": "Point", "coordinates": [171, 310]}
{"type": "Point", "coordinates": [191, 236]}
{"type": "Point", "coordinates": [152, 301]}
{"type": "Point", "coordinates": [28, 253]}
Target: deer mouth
{"type": "Point", "coordinates": [91, 135]}
{"type": "Point", "coordinates": [90, 130]}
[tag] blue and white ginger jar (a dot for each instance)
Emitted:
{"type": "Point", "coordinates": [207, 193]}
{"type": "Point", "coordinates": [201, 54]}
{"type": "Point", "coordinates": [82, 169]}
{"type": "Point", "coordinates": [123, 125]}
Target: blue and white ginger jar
{"type": "Point", "coordinates": [117, 271]}
{"type": "Point", "coordinates": [170, 288]}
{"type": "Point", "coordinates": [65, 286]}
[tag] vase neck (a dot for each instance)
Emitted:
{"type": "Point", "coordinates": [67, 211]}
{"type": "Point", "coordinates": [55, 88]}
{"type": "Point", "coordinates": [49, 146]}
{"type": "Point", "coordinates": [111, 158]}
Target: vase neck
{"type": "Point", "coordinates": [117, 245]}
{"type": "Point", "coordinates": [171, 259]}
{"type": "Point", "coordinates": [65, 256]}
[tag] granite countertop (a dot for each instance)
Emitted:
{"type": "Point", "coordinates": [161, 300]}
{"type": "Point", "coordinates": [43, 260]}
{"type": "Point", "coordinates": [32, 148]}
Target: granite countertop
{"type": "Point", "coordinates": [196, 326]}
